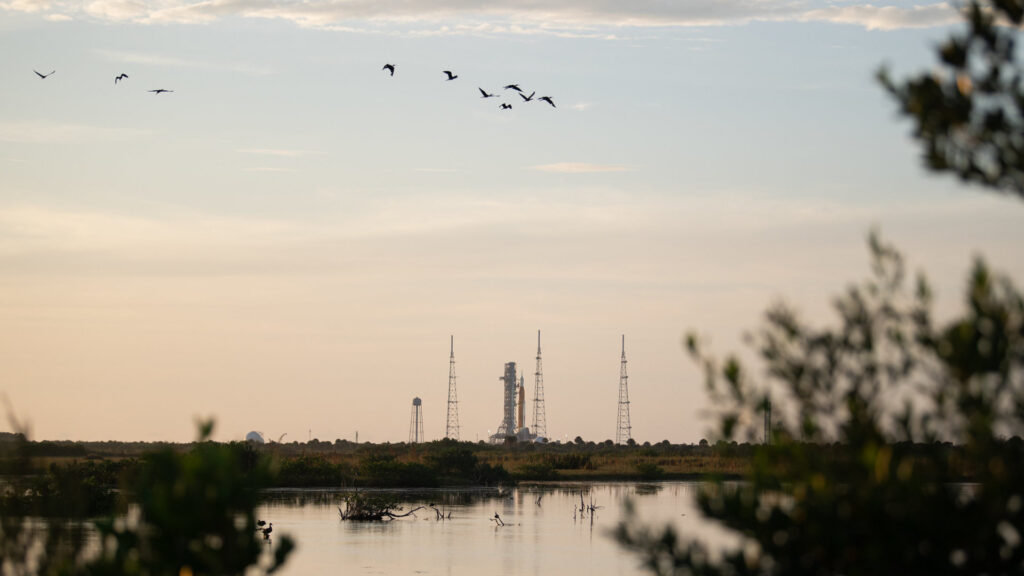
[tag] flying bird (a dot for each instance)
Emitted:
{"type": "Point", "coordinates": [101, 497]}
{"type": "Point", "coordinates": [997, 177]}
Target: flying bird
{"type": "Point", "coordinates": [159, 91]}
{"type": "Point", "coordinates": [484, 94]}
{"type": "Point", "coordinates": [43, 76]}
{"type": "Point", "coordinates": [450, 75]}
{"type": "Point", "coordinates": [120, 77]}
{"type": "Point", "coordinates": [506, 106]}
{"type": "Point", "coordinates": [389, 68]}
{"type": "Point", "coordinates": [513, 87]}
{"type": "Point", "coordinates": [527, 98]}
{"type": "Point", "coordinates": [548, 100]}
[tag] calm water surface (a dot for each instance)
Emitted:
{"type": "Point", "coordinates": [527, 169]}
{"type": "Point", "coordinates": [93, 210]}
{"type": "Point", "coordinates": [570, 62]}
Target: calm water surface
{"type": "Point", "coordinates": [543, 533]}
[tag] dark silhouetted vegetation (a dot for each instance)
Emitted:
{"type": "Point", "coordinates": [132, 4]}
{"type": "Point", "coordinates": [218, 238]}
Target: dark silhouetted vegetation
{"type": "Point", "coordinates": [968, 113]}
{"type": "Point", "coordinates": [878, 418]}
{"type": "Point", "coordinates": [192, 513]}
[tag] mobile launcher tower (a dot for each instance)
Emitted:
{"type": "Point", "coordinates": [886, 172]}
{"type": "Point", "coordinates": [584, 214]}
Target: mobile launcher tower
{"type": "Point", "coordinates": [512, 423]}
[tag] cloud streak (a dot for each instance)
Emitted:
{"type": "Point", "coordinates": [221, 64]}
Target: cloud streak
{"type": "Point", "coordinates": [580, 168]}
{"type": "Point", "coordinates": [176, 62]}
{"type": "Point", "coordinates": [600, 18]}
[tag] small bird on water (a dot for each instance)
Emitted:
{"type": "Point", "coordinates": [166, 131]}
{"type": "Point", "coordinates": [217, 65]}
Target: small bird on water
{"type": "Point", "coordinates": [266, 531]}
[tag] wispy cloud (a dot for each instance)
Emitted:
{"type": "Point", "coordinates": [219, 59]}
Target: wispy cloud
{"type": "Point", "coordinates": [51, 132]}
{"type": "Point", "coordinates": [581, 168]}
{"type": "Point", "coordinates": [280, 152]}
{"type": "Point", "coordinates": [440, 170]}
{"type": "Point", "coordinates": [268, 169]}
{"type": "Point", "coordinates": [590, 18]}
{"type": "Point", "coordinates": [26, 5]}
{"type": "Point", "coordinates": [147, 59]}
{"type": "Point", "coordinates": [886, 17]}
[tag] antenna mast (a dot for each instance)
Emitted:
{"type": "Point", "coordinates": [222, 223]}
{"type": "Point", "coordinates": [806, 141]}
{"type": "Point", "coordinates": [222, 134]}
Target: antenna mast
{"type": "Point", "coordinates": [624, 431]}
{"type": "Point", "coordinates": [452, 428]}
{"type": "Point", "coordinates": [540, 419]}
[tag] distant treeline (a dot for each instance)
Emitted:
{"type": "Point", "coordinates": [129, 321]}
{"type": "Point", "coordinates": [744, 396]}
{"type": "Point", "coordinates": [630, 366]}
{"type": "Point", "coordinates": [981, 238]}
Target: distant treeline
{"type": "Point", "coordinates": [65, 479]}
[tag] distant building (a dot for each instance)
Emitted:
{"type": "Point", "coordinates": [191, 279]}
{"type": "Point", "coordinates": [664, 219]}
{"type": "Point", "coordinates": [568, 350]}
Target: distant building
{"type": "Point", "coordinates": [255, 437]}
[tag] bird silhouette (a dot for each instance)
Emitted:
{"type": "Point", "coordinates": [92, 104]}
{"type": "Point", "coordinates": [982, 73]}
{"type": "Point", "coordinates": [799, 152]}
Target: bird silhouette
{"type": "Point", "coordinates": [548, 100]}
{"type": "Point", "coordinates": [159, 91]}
{"type": "Point", "coordinates": [267, 531]}
{"type": "Point", "coordinates": [527, 98]}
{"type": "Point", "coordinates": [513, 87]}
{"type": "Point", "coordinates": [389, 68]}
{"type": "Point", "coordinates": [450, 75]}
{"type": "Point", "coordinates": [261, 524]}
{"type": "Point", "coordinates": [506, 106]}
{"type": "Point", "coordinates": [484, 94]}
{"type": "Point", "coordinates": [120, 77]}
{"type": "Point", "coordinates": [43, 76]}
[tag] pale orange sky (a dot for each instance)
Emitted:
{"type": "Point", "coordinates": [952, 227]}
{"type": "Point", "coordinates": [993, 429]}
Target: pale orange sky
{"type": "Point", "coordinates": [287, 240]}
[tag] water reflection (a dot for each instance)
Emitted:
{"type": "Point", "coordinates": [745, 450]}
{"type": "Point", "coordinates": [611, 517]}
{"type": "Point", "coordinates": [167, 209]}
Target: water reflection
{"type": "Point", "coordinates": [544, 531]}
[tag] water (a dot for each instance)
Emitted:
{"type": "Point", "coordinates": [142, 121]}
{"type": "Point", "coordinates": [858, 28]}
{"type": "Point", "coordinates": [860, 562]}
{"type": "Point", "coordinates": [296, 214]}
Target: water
{"type": "Point", "coordinates": [540, 535]}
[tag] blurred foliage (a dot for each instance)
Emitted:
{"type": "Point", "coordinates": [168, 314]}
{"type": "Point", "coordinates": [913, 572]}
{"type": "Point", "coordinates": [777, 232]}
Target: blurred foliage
{"type": "Point", "coordinates": [188, 512]}
{"type": "Point", "coordinates": [969, 113]}
{"type": "Point", "coordinates": [858, 477]}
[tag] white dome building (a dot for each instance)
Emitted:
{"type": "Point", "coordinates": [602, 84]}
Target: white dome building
{"type": "Point", "coordinates": [255, 437]}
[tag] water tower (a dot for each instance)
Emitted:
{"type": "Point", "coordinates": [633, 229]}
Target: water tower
{"type": "Point", "coordinates": [416, 422]}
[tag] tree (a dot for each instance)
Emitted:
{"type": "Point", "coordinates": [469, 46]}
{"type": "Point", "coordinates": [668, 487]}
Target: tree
{"type": "Point", "coordinates": [887, 414]}
{"type": "Point", "coordinates": [969, 116]}
{"type": "Point", "coordinates": [857, 479]}
{"type": "Point", "coordinates": [190, 513]}
{"type": "Point", "coordinates": [195, 515]}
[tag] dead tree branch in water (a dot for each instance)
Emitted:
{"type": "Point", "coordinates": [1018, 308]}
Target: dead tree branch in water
{"type": "Point", "coordinates": [376, 508]}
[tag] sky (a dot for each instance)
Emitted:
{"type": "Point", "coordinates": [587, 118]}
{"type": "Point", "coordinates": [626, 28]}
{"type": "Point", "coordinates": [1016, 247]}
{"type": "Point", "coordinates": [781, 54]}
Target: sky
{"type": "Point", "coordinates": [288, 241]}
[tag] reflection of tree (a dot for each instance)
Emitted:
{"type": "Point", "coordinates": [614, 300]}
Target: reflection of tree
{"type": "Point", "coordinates": [887, 411]}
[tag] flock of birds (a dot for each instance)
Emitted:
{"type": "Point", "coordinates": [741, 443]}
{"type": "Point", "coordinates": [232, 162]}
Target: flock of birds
{"type": "Point", "coordinates": [449, 76]}
{"type": "Point", "coordinates": [118, 78]}
{"type": "Point", "coordinates": [390, 68]}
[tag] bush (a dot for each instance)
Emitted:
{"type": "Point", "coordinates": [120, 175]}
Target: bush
{"type": "Point", "coordinates": [312, 471]}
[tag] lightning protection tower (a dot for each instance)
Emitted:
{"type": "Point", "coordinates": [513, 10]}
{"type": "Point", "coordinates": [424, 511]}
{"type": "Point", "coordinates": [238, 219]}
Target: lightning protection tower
{"type": "Point", "coordinates": [540, 419]}
{"type": "Point", "coordinates": [452, 428]}
{"type": "Point", "coordinates": [624, 431]}
{"type": "Point", "coordinates": [416, 422]}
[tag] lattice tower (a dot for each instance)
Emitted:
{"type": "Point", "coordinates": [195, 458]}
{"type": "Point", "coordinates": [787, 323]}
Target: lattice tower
{"type": "Point", "coordinates": [452, 428]}
{"type": "Point", "coordinates": [540, 418]}
{"type": "Point", "coordinates": [624, 431]}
